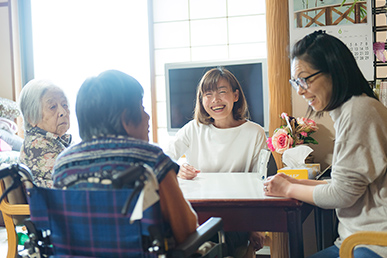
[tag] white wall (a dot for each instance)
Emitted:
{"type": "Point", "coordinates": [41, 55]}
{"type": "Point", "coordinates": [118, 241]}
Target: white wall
{"type": "Point", "coordinates": [6, 69]}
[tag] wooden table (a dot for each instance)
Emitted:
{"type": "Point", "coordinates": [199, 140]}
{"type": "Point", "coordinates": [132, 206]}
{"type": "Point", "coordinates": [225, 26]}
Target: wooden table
{"type": "Point", "coordinates": [238, 198]}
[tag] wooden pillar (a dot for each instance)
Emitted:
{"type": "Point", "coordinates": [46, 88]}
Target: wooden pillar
{"type": "Point", "coordinates": [277, 27]}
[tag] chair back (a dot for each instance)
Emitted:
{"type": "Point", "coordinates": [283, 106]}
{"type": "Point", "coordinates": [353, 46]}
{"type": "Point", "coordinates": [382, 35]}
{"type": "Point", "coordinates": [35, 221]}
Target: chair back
{"type": "Point", "coordinates": [349, 244]}
{"type": "Point", "coordinates": [90, 222]}
{"type": "Point", "coordinates": [13, 207]}
{"type": "Point", "coordinates": [15, 197]}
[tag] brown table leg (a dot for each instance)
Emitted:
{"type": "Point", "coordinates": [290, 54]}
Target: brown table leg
{"type": "Point", "coordinates": [296, 244]}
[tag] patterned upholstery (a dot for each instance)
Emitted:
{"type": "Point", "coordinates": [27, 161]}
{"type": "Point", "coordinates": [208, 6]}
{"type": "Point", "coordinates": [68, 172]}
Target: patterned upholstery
{"type": "Point", "coordinates": [90, 223]}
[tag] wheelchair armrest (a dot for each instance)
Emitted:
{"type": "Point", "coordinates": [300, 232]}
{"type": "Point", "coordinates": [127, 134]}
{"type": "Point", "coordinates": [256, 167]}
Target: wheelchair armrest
{"type": "Point", "coordinates": [202, 234]}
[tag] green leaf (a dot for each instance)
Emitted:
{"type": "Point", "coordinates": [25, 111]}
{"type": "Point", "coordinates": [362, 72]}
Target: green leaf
{"type": "Point", "coordinates": [310, 140]}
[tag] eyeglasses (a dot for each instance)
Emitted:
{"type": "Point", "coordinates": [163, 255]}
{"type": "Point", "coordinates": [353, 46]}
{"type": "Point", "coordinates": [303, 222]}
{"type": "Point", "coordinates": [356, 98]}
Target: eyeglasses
{"type": "Point", "coordinates": [302, 82]}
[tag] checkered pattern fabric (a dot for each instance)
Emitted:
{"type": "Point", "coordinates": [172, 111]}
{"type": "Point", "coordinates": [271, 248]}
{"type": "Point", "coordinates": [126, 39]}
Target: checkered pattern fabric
{"type": "Point", "coordinates": [90, 223]}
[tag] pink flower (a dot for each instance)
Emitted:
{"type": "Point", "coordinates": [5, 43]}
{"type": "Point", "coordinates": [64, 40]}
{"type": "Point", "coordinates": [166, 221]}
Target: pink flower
{"type": "Point", "coordinates": [306, 125]}
{"type": "Point", "coordinates": [295, 131]}
{"type": "Point", "coordinates": [269, 144]}
{"type": "Point", "coordinates": [281, 141]}
{"type": "Point", "coordinates": [284, 115]}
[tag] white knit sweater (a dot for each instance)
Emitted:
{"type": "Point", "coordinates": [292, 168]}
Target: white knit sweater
{"type": "Point", "coordinates": [211, 149]}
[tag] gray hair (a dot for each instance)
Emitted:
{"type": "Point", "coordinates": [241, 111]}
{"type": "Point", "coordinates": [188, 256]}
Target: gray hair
{"type": "Point", "coordinates": [30, 101]}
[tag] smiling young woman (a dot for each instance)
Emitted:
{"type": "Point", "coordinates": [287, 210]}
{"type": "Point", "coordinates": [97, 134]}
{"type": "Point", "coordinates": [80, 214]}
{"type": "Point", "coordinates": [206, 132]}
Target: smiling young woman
{"type": "Point", "coordinates": [219, 103]}
{"type": "Point", "coordinates": [220, 138]}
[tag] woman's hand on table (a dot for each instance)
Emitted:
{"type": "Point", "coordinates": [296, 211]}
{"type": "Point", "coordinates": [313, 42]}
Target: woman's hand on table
{"type": "Point", "coordinates": [187, 171]}
{"type": "Point", "coordinates": [278, 185]}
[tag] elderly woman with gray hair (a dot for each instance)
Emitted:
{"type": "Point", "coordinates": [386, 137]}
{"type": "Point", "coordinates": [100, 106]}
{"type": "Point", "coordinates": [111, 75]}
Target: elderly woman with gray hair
{"type": "Point", "coordinates": [46, 120]}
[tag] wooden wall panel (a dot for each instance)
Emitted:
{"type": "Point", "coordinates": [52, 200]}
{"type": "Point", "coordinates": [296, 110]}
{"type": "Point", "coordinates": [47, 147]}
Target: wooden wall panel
{"type": "Point", "coordinates": [277, 26]}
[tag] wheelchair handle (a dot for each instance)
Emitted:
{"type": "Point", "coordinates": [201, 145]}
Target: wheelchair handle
{"type": "Point", "coordinates": [19, 173]}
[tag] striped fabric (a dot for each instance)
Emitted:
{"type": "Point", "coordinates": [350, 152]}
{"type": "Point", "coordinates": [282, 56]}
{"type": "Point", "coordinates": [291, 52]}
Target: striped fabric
{"type": "Point", "coordinates": [89, 223]}
{"type": "Point", "coordinates": [88, 164]}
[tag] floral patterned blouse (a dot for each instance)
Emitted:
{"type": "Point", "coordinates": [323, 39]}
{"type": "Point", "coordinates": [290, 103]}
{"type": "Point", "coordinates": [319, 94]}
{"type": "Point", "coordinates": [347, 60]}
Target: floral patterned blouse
{"type": "Point", "coordinates": [39, 151]}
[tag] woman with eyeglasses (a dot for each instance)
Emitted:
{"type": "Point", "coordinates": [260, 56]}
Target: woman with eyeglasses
{"type": "Point", "coordinates": [325, 73]}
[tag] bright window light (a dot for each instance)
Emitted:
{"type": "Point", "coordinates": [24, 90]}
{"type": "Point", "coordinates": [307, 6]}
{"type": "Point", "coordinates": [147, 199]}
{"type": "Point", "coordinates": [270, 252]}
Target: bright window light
{"type": "Point", "coordinates": [76, 39]}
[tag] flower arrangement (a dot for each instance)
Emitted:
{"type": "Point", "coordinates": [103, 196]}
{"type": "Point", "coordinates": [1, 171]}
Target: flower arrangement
{"type": "Point", "coordinates": [295, 131]}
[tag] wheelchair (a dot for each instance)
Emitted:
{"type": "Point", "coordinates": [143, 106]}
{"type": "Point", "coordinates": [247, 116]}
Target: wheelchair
{"type": "Point", "coordinates": [97, 223]}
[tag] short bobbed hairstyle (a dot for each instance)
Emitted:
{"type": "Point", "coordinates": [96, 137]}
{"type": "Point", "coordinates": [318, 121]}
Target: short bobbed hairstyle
{"type": "Point", "coordinates": [31, 101]}
{"type": "Point", "coordinates": [104, 100]}
{"type": "Point", "coordinates": [209, 82]}
{"type": "Point", "coordinates": [332, 57]}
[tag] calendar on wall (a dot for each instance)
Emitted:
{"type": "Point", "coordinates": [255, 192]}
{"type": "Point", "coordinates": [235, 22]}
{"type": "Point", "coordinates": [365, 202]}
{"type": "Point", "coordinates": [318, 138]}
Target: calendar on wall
{"type": "Point", "coordinates": [349, 21]}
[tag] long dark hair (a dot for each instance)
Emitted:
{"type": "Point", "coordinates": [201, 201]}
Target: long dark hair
{"type": "Point", "coordinates": [328, 54]}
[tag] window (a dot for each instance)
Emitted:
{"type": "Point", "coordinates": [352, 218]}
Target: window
{"type": "Point", "coordinates": [76, 39]}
